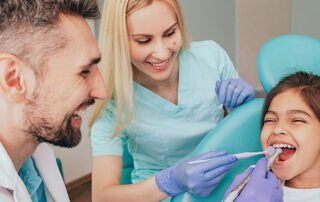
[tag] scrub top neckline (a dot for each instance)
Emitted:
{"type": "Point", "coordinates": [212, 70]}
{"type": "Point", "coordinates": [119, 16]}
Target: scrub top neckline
{"type": "Point", "coordinates": [183, 89]}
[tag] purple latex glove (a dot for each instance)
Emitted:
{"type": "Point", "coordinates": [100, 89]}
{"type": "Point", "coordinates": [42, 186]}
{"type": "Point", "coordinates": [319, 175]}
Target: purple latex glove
{"type": "Point", "coordinates": [262, 186]}
{"type": "Point", "coordinates": [234, 92]}
{"type": "Point", "coordinates": [199, 178]}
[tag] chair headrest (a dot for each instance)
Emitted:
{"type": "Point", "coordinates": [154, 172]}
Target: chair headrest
{"type": "Point", "coordinates": [287, 54]}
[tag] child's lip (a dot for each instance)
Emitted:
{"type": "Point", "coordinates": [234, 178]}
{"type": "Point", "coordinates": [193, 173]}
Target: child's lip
{"type": "Point", "coordinates": [278, 163]}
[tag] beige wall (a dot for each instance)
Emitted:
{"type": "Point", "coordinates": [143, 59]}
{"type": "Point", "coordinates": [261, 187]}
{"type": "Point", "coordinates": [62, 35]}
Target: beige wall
{"type": "Point", "coordinates": [257, 22]}
{"type": "Point", "coordinates": [212, 20]}
{"type": "Point", "coordinates": [306, 17]}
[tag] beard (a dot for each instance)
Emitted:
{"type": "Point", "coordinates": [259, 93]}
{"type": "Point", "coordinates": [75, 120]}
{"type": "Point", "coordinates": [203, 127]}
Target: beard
{"type": "Point", "coordinates": [41, 127]}
{"type": "Point", "coordinates": [63, 135]}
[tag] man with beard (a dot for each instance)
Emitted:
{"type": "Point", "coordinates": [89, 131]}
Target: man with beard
{"type": "Point", "coordinates": [48, 77]}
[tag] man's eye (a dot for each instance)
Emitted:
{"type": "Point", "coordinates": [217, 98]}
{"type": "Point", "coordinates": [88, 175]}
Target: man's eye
{"type": "Point", "coordinates": [85, 72]}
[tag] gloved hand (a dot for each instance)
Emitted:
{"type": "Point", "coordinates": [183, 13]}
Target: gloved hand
{"type": "Point", "coordinates": [234, 92]}
{"type": "Point", "coordinates": [262, 185]}
{"type": "Point", "coordinates": [199, 178]}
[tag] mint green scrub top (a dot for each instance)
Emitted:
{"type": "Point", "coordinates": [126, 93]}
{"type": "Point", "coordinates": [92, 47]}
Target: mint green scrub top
{"type": "Point", "coordinates": [162, 133]}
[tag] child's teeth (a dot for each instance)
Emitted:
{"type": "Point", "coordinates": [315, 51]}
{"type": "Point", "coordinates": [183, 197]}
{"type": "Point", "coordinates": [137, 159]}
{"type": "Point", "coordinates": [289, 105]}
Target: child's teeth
{"type": "Point", "coordinates": [283, 146]}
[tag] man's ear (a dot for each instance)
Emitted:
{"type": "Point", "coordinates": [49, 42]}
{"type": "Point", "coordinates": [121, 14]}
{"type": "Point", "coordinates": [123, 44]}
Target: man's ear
{"type": "Point", "coordinates": [12, 83]}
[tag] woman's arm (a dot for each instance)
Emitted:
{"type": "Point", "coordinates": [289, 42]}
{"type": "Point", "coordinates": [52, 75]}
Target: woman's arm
{"type": "Point", "coordinates": [106, 176]}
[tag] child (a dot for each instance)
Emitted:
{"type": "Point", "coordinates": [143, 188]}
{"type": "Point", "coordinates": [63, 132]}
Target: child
{"type": "Point", "coordinates": [291, 121]}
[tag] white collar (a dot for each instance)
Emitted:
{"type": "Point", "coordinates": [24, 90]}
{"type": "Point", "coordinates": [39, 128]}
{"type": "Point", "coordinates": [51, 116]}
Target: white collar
{"type": "Point", "coordinates": [48, 170]}
{"type": "Point", "coordinates": [9, 178]}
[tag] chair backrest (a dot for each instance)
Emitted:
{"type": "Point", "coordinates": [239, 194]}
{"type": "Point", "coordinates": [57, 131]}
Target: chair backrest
{"type": "Point", "coordinates": [240, 130]}
{"type": "Point", "coordinates": [287, 54]}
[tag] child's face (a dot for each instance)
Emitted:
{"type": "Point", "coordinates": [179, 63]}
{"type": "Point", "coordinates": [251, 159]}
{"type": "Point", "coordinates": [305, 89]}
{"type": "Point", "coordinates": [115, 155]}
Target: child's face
{"type": "Point", "coordinates": [289, 122]}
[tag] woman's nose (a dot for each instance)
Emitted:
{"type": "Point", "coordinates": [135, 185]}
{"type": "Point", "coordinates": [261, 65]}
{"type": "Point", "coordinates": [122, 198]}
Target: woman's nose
{"type": "Point", "coordinates": [161, 51]}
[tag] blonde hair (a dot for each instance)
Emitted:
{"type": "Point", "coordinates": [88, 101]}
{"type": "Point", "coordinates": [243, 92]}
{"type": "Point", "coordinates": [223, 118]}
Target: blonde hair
{"type": "Point", "coordinates": [115, 65]}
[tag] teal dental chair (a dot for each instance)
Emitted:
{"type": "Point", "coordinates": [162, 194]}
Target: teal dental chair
{"type": "Point", "coordinates": [240, 130]}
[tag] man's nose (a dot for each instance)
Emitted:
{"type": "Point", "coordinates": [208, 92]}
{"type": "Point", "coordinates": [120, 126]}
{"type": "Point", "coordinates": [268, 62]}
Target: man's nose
{"type": "Point", "coordinates": [98, 89]}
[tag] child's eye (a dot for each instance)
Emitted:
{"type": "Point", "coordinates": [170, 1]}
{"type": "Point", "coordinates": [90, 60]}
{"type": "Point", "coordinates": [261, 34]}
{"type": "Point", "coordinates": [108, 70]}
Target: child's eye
{"type": "Point", "coordinates": [298, 121]}
{"type": "Point", "coordinates": [268, 120]}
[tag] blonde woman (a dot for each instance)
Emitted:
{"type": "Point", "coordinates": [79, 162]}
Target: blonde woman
{"type": "Point", "coordinates": [164, 97]}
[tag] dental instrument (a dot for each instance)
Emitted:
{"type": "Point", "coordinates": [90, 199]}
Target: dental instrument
{"type": "Point", "coordinates": [236, 191]}
{"type": "Point", "coordinates": [270, 151]}
{"type": "Point", "coordinates": [273, 157]}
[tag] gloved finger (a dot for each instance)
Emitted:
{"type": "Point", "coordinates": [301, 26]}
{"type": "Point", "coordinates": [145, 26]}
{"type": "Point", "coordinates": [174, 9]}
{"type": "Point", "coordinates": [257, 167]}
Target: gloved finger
{"type": "Point", "coordinates": [205, 192]}
{"type": "Point", "coordinates": [273, 179]}
{"type": "Point", "coordinates": [235, 95]}
{"type": "Point", "coordinates": [210, 154]}
{"type": "Point", "coordinates": [215, 181]}
{"type": "Point", "coordinates": [242, 98]}
{"type": "Point", "coordinates": [260, 169]}
{"type": "Point", "coordinates": [217, 172]}
{"type": "Point", "coordinates": [218, 83]}
{"type": "Point", "coordinates": [211, 185]}
{"type": "Point", "coordinates": [238, 180]}
{"type": "Point", "coordinates": [222, 91]}
{"type": "Point", "coordinates": [279, 194]}
{"type": "Point", "coordinates": [230, 90]}
{"type": "Point", "coordinates": [207, 186]}
{"type": "Point", "coordinates": [218, 162]}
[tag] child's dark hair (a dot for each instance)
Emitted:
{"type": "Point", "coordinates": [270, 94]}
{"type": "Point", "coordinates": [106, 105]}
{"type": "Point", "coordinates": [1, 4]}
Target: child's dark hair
{"type": "Point", "coordinates": [306, 84]}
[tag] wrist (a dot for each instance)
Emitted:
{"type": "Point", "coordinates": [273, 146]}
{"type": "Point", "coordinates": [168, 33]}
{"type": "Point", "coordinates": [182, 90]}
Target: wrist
{"type": "Point", "coordinates": [167, 182]}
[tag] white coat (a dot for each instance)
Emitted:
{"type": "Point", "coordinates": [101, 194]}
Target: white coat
{"type": "Point", "coordinates": [12, 188]}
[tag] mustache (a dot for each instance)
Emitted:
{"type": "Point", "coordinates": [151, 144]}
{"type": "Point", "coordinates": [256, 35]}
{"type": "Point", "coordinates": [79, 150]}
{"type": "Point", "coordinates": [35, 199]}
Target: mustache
{"type": "Point", "coordinates": [88, 102]}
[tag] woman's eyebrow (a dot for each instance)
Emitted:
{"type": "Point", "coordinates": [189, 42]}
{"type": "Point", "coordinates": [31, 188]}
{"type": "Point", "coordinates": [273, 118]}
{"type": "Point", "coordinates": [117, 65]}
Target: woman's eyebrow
{"type": "Point", "coordinates": [172, 26]}
{"type": "Point", "coordinates": [148, 35]}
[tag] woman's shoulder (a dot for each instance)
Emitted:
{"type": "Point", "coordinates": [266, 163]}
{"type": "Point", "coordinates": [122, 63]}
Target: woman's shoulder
{"type": "Point", "coordinates": [204, 45]}
{"type": "Point", "coordinates": [208, 50]}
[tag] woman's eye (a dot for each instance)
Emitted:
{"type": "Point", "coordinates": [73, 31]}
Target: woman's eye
{"type": "Point", "coordinates": [143, 41]}
{"type": "Point", "coordinates": [170, 33]}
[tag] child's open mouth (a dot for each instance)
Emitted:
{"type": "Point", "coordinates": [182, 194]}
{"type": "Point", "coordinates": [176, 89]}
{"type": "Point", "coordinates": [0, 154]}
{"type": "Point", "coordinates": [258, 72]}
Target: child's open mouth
{"type": "Point", "coordinates": [288, 151]}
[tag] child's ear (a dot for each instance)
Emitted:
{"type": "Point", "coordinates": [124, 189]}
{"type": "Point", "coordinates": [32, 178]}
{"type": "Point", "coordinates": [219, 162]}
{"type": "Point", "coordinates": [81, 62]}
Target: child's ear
{"type": "Point", "coordinates": [12, 82]}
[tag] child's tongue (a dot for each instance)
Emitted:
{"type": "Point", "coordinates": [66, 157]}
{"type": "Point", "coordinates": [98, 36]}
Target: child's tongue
{"type": "Point", "coordinates": [286, 154]}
